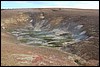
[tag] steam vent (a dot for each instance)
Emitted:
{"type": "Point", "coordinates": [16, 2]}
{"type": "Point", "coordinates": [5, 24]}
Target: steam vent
{"type": "Point", "coordinates": [49, 37]}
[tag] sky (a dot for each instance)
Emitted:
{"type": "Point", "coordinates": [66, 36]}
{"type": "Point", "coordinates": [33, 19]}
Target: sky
{"type": "Point", "coordinates": [50, 4]}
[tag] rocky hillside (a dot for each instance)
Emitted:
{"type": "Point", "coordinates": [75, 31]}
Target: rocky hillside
{"type": "Point", "coordinates": [82, 25]}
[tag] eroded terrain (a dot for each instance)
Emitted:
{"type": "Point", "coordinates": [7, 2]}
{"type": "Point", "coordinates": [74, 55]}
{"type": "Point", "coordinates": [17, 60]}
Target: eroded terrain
{"type": "Point", "coordinates": [68, 37]}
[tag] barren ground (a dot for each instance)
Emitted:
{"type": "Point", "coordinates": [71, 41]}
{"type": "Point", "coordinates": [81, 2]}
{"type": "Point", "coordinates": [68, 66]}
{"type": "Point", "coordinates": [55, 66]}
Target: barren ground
{"type": "Point", "coordinates": [14, 53]}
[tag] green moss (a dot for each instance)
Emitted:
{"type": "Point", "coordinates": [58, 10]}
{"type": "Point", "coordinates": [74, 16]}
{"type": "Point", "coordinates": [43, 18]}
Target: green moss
{"type": "Point", "coordinates": [56, 44]}
{"type": "Point", "coordinates": [36, 44]}
{"type": "Point", "coordinates": [24, 40]}
{"type": "Point", "coordinates": [48, 39]}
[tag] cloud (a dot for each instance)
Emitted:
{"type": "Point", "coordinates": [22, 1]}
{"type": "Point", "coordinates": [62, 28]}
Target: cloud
{"type": "Point", "coordinates": [68, 4]}
{"type": "Point", "coordinates": [22, 2]}
{"type": "Point", "coordinates": [51, 4]}
{"type": "Point", "coordinates": [74, 4]}
{"type": "Point", "coordinates": [87, 5]}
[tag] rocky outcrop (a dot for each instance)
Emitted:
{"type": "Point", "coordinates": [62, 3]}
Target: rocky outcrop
{"type": "Point", "coordinates": [13, 20]}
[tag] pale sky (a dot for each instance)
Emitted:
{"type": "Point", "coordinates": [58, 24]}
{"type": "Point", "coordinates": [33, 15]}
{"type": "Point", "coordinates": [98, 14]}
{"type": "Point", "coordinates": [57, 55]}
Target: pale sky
{"type": "Point", "coordinates": [50, 4]}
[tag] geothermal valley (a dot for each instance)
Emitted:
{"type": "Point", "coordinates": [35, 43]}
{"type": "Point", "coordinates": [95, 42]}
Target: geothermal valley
{"type": "Point", "coordinates": [49, 37]}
